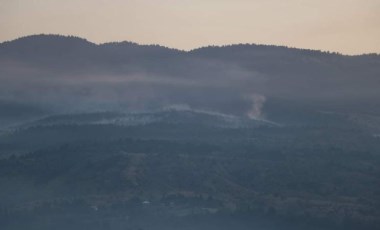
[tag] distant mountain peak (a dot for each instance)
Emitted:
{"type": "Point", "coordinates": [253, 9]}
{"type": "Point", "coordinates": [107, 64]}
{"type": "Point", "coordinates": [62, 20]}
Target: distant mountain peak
{"type": "Point", "coordinates": [48, 37]}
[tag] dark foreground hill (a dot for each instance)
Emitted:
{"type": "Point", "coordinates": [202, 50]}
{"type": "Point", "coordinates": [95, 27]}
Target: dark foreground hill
{"type": "Point", "coordinates": [177, 170]}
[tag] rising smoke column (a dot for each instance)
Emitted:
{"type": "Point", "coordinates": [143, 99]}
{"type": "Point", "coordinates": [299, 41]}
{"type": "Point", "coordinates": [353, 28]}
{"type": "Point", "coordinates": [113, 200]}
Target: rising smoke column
{"type": "Point", "coordinates": [257, 104]}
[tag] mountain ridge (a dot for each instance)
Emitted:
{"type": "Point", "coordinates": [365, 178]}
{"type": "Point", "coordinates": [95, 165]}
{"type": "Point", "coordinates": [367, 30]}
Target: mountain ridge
{"type": "Point", "coordinates": [226, 46]}
{"type": "Point", "coordinates": [66, 74]}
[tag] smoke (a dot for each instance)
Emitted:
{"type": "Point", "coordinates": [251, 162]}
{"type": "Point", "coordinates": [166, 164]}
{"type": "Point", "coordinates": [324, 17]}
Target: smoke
{"type": "Point", "coordinates": [200, 81]}
{"type": "Point", "coordinates": [178, 107]}
{"type": "Point", "coordinates": [197, 84]}
{"type": "Point", "coordinates": [257, 105]}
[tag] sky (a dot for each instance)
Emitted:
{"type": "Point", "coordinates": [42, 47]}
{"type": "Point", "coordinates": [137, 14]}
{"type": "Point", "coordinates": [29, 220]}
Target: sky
{"type": "Point", "coordinates": [345, 26]}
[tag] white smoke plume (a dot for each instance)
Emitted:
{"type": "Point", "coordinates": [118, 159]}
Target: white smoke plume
{"type": "Point", "coordinates": [257, 106]}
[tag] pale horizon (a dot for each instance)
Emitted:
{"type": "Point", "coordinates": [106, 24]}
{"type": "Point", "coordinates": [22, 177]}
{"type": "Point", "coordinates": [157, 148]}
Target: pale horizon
{"type": "Point", "coordinates": [348, 27]}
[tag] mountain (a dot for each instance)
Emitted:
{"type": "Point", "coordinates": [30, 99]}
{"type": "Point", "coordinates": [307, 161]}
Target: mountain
{"type": "Point", "coordinates": [66, 74]}
{"type": "Point", "coordinates": [128, 136]}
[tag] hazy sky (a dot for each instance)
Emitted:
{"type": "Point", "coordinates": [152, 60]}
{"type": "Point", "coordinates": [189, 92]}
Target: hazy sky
{"type": "Point", "coordinates": [347, 26]}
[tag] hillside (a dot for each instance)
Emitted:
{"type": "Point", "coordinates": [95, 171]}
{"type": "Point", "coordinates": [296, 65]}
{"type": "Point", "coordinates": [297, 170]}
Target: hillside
{"type": "Point", "coordinates": [128, 136]}
{"type": "Point", "coordinates": [67, 74]}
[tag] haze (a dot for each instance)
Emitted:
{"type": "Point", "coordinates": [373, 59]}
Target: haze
{"type": "Point", "coordinates": [346, 26]}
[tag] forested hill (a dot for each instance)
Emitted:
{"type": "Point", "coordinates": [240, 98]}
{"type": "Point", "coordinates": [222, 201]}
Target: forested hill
{"type": "Point", "coordinates": [127, 136]}
{"type": "Point", "coordinates": [72, 49]}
